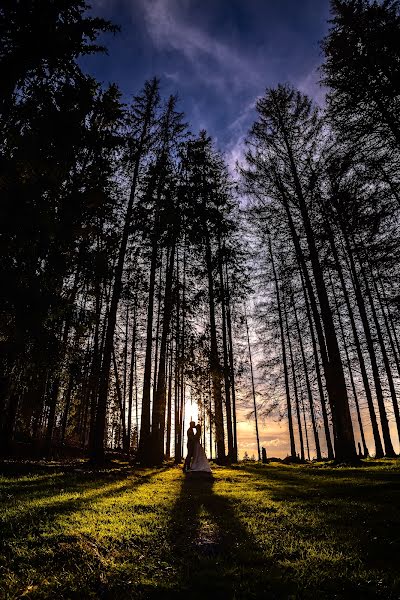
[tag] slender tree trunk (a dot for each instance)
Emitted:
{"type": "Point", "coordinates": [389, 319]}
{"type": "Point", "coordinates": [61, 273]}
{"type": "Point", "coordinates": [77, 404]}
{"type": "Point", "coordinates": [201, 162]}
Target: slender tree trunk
{"type": "Point", "coordinates": [204, 421]}
{"type": "Point", "coordinates": [382, 344]}
{"type": "Point", "coordinates": [329, 446]}
{"type": "Point", "coordinates": [157, 336]}
{"type": "Point", "coordinates": [375, 430]}
{"type": "Point", "coordinates": [296, 394]}
{"type": "Point", "coordinates": [182, 415]}
{"type": "Point", "coordinates": [120, 400]}
{"type": "Point", "coordinates": [177, 420]}
{"type": "Point", "coordinates": [308, 384]}
{"type": "Point", "coordinates": [131, 378]}
{"type": "Point", "coordinates": [284, 358]}
{"type": "Point", "coordinates": [210, 414]}
{"type": "Point", "coordinates": [125, 361]}
{"type": "Point", "coordinates": [169, 402]}
{"type": "Point", "coordinates": [389, 451]}
{"type": "Point", "coordinates": [226, 362]}
{"type": "Point", "coordinates": [253, 388]}
{"type": "Point", "coordinates": [99, 292]}
{"type": "Point", "coordinates": [353, 386]}
{"type": "Point", "coordinates": [305, 424]}
{"type": "Point", "coordinates": [214, 358]}
{"type": "Point", "coordinates": [182, 355]}
{"type": "Point", "coordinates": [67, 407]}
{"type": "Point", "coordinates": [52, 402]}
{"type": "Point", "coordinates": [159, 405]}
{"type": "Point", "coordinates": [145, 432]}
{"type": "Point", "coordinates": [136, 406]}
{"type": "Point", "coordinates": [231, 366]}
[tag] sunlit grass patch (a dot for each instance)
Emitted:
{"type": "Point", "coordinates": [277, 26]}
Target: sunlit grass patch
{"type": "Point", "coordinates": [78, 532]}
{"type": "Point", "coordinates": [317, 525]}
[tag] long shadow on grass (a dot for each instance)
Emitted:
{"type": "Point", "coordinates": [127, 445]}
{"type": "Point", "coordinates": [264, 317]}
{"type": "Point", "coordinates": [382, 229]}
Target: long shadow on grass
{"type": "Point", "coordinates": [215, 555]}
{"type": "Point", "coordinates": [39, 486]}
{"type": "Point", "coordinates": [357, 507]}
{"type": "Point", "coordinates": [29, 518]}
{"type": "Point", "coordinates": [30, 538]}
{"type": "Point", "coordinates": [289, 482]}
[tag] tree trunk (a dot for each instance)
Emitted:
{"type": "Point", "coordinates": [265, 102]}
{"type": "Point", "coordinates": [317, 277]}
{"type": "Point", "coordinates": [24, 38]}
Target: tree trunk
{"type": "Point", "coordinates": [353, 386]}
{"type": "Point", "coordinates": [389, 451]}
{"type": "Point", "coordinates": [227, 383]}
{"type": "Point", "coordinates": [329, 446]}
{"type": "Point", "coordinates": [159, 300]}
{"type": "Point", "coordinates": [177, 419]}
{"type": "Point", "coordinates": [284, 358]}
{"type": "Point", "coordinates": [231, 367]}
{"type": "Point", "coordinates": [145, 433]}
{"type": "Point", "coordinates": [253, 388]}
{"type": "Point", "coordinates": [131, 378]}
{"type": "Point", "coordinates": [67, 407]}
{"type": "Point", "coordinates": [169, 403]}
{"type": "Point", "coordinates": [360, 303]}
{"type": "Point", "coordinates": [214, 358]}
{"type": "Point", "coordinates": [120, 401]}
{"type": "Point", "coordinates": [308, 384]}
{"type": "Point", "coordinates": [305, 423]}
{"type": "Point", "coordinates": [159, 405]}
{"type": "Point", "coordinates": [296, 395]}
{"type": "Point", "coordinates": [383, 351]}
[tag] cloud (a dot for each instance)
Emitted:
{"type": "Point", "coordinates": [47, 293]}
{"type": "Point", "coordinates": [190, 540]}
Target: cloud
{"type": "Point", "coordinates": [215, 62]}
{"type": "Point", "coordinates": [173, 76]}
{"type": "Point", "coordinates": [234, 155]}
{"type": "Point", "coordinates": [275, 443]}
{"type": "Point", "coordinates": [273, 436]}
{"type": "Point", "coordinates": [235, 148]}
{"type": "Point", "coordinates": [309, 84]}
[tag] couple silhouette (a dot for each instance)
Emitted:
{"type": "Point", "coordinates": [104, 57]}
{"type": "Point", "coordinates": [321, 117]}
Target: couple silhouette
{"type": "Point", "coordinates": [196, 460]}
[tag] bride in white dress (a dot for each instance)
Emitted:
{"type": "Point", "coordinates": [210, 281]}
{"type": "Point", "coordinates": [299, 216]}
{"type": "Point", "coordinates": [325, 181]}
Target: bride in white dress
{"type": "Point", "coordinates": [199, 463]}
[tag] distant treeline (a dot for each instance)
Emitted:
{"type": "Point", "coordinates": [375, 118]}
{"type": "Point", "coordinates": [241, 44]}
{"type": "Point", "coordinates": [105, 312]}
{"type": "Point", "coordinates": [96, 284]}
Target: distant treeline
{"type": "Point", "coordinates": [125, 257]}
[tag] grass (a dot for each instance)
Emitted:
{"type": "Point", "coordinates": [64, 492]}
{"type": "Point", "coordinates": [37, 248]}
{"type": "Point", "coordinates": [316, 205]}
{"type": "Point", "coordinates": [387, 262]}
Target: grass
{"type": "Point", "coordinates": [275, 531]}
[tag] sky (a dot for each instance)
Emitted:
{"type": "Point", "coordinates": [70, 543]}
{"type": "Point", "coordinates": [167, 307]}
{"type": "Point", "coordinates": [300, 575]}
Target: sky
{"type": "Point", "coordinates": [218, 56]}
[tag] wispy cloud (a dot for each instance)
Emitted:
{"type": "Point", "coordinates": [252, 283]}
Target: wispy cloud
{"type": "Point", "coordinates": [215, 62]}
{"type": "Point", "coordinates": [235, 148]}
{"type": "Point", "coordinates": [309, 84]}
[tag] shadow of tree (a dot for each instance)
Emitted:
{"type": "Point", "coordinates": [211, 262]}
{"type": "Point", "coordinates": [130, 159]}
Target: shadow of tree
{"type": "Point", "coordinates": [38, 539]}
{"type": "Point", "coordinates": [215, 554]}
{"type": "Point", "coordinates": [287, 483]}
{"type": "Point", "coordinates": [355, 508]}
{"type": "Point", "coordinates": [43, 503]}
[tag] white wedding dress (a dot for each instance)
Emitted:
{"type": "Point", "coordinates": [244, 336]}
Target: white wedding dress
{"type": "Point", "coordinates": [199, 460]}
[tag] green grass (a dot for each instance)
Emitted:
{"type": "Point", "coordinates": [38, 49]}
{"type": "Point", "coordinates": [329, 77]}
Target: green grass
{"type": "Point", "coordinates": [257, 531]}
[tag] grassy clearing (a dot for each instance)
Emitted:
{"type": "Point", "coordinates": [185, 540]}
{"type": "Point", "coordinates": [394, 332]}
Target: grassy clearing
{"type": "Point", "coordinates": [257, 531]}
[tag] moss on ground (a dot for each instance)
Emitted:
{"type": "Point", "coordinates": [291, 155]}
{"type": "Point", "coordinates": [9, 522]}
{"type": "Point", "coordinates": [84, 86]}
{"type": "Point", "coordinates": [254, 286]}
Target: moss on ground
{"type": "Point", "coordinates": [275, 531]}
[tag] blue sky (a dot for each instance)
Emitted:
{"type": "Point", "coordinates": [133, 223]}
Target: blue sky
{"type": "Point", "coordinates": [218, 55]}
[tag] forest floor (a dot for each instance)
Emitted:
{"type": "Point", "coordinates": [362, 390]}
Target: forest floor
{"type": "Point", "coordinates": [269, 531]}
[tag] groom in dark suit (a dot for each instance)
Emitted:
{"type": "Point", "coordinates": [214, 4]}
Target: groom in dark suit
{"type": "Point", "coordinates": [190, 446]}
